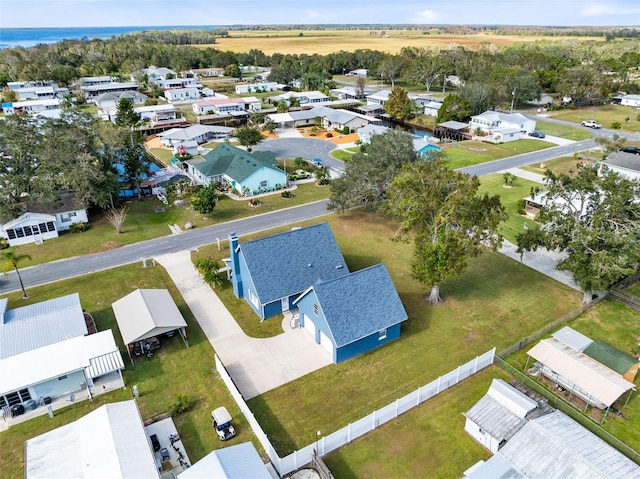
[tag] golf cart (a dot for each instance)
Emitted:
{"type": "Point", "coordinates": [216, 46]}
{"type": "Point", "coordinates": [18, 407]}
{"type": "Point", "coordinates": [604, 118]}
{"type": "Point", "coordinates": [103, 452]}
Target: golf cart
{"type": "Point", "coordinates": [222, 423]}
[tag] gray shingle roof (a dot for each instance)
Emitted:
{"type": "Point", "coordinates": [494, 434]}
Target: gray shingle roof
{"type": "Point", "coordinates": [235, 163]}
{"type": "Point", "coordinates": [360, 304]}
{"type": "Point", "coordinates": [37, 325]}
{"type": "Point", "coordinates": [623, 159]}
{"type": "Point", "coordinates": [290, 262]}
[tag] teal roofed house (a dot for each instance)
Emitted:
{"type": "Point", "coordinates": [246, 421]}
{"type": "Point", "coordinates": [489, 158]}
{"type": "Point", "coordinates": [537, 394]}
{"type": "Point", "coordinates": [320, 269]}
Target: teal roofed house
{"type": "Point", "coordinates": [255, 172]}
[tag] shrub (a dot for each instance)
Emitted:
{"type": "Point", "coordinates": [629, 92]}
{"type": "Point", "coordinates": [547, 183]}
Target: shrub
{"type": "Point", "coordinates": [616, 125]}
{"type": "Point", "coordinates": [205, 199]}
{"type": "Point", "coordinates": [79, 227]}
{"type": "Point", "coordinates": [287, 194]}
{"type": "Point", "coordinates": [183, 403]}
{"type": "Point", "coordinates": [521, 206]}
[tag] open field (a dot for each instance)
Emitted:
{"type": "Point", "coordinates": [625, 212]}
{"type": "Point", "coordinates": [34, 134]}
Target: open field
{"type": "Point", "coordinates": [495, 302]}
{"type": "Point", "coordinates": [329, 41]}
{"type": "Point", "coordinates": [563, 131]}
{"type": "Point", "coordinates": [427, 442]}
{"type": "Point", "coordinates": [605, 115]}
{"type": "Point", "coordinates": [173, 369]}
{"type": "Point", "coordinates": [561, 165]}
{"type": "Point", "coordinates": [467, 153]}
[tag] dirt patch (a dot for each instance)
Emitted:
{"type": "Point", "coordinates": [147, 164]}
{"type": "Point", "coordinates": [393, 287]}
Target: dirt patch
{"type": "Point", "coordinates": [109, 245]}
{"type": "Point", "coordinates": [342, 139]}
{"type": "Point", "coordinates": [154, 142]}
{"type": "Point", "coordinates": [269, 134]}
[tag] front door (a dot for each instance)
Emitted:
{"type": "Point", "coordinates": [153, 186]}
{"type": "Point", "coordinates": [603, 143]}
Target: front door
{"type": "Point", "coordinates": [285, 304]}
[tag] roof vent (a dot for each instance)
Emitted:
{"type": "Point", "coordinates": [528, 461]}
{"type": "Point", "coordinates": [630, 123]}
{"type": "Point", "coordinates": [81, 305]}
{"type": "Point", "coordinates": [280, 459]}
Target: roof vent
{"type": "Point", "coordinates": [309, 265]}
{"type": "Point", "coordinates": [339, 266]}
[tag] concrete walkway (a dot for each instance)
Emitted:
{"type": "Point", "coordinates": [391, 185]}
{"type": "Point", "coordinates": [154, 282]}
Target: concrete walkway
{"type": "Point", "coordinates": [543, 261]}
{"type": "Point", "coordinates": [527, 175]}
{"type": "Point", "coordinates": [256, 365]}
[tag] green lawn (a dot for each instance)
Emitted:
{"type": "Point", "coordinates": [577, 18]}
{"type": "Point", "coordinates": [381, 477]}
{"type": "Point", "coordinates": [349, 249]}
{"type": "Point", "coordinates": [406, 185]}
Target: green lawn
{"type": "Point", "coordinates": [163, 154]}
{"type": "Point", "coordinates": [144, 223]}
{"type": "Point", "coordinates": [485, 307]}
{"type": "Point", "coordinates": [563, 131]}
{"type": "Point", "coordinates": [520, 188]}
{"type": "Point", "coordinates": [605, 115]}
{"type": "Point", "coordinates": [174, 369]}
{"type": "Point", "coordinates": [342, 155]}
{"type": "Point", "coordinates": [428, 441]}
{"type": "Point", "coordinates": [469, 153]}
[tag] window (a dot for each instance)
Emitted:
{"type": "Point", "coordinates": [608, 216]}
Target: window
{"type": "Point", "coordinates": [315, 309]}
{"type": "Point", "coordinates": [65, 217]}
{"type": "Point", "coordinates": [61, 378]}
{"type": "Point", "coordinates": [19, 232]}
{"type": "Point", "coordinates": [382, 334]}
{"type": "Point", "coordinates": [481, 431]}
{"type": "Point", "coordinates": [27, 231]}
{"type": "Point", "coordinates": [42, 227]}
{"type": "Point", "coordinates": [263, 184]}
{"type": "Point", "coordinates": [11, 234]}
{"type": "Point", "coordinates": [51, 226]}
{"type": "Point", "coordinates": [25, 395]}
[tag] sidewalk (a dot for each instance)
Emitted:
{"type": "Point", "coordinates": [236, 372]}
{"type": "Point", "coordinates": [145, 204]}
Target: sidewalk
{"type": "Point", "coordinates": [256, 365]}
{"type": "Point", "coordinates": [543, 261]}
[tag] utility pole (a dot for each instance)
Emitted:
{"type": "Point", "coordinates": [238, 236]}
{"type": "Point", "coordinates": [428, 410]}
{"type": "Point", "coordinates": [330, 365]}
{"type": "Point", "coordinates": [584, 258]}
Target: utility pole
{"type": "Point", "coordinates": [513, 97]}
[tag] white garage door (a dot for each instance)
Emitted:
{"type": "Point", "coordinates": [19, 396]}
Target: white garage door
{"type": "Point", "coordinates": [310, 326]}
{"type": "Point", "coordinates": [326, 342]}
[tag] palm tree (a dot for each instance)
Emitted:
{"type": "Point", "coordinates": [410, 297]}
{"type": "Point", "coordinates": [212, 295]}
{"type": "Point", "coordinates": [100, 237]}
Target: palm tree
{"type": "Point", "coordinates": [10, 261]}
{"type": "Point", "coordinates": [210, 271]}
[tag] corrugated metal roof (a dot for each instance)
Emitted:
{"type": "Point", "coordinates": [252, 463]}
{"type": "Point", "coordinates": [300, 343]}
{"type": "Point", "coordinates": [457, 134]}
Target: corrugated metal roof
{"type": "Point", "coordinates": [588, 374]}
{"type": "Point", "coordinates": [495, 419]}
{"type": "Point", "coordinates": [610, 356]}
{"type": "Point", "coordinates": [359, 304]}
{"type": "Point", "coordinates": [55, 360]}
{"type": "Point", "coordinates": [241, 461]}
{"type": "Point", "coordinates": [146, 313]}
{"type": "Point", "coordinates": [108, 443]}
{"type": "Point", "coordinates": [573, 338]}
{"type": "Point", "coordinates": [556, 447]}
{"type": "Point", "coordinates": [41, 324]}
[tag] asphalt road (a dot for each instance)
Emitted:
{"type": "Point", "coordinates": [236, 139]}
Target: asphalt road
{"type": "Point", "coordinates": [190, 239]}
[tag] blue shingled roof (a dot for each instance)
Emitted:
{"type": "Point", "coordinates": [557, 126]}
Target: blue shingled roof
{"type": "Point", "coordinates": [288, 263]}
{"type": "Point", "coordinates": [360, 304]}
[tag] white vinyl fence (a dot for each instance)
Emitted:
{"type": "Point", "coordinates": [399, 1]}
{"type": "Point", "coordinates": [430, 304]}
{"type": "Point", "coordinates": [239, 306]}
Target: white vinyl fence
{"type": "Point", "coordinates": [330, 443]}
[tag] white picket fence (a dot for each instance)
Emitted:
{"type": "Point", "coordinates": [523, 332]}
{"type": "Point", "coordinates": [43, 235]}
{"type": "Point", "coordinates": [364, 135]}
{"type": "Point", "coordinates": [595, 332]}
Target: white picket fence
{"type": "Point", "coordinates": [327, 444]}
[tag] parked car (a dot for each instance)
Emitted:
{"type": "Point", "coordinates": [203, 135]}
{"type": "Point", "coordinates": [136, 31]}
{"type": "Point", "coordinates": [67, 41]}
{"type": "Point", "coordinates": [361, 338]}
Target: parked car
{"type": "Point", "coordinates": [591, 124]}
{"type": "Point", "coordinates": [537, 134]}
{"type": "Point", "coordinates": [222, 423]}
{"type": "Point", "coordinates": [631, 149]}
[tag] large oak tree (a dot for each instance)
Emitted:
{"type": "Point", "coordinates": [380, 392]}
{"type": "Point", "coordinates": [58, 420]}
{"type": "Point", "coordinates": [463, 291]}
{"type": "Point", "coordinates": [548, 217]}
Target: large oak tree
{"type": "Point", "coordinates": [595, 220]}
{"type": "Point", "coordinates": [449, 222]}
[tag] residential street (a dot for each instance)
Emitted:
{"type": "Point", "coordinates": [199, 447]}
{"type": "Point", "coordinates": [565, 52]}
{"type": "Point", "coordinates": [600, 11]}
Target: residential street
{"type": "Point", "coordinates": [190, 239]}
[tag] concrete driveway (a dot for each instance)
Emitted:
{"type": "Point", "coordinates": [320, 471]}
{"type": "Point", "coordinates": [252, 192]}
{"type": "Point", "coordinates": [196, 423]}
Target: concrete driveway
{"type": "Point", "coordinates": [307, 148]}
{"type": "Point", "coordinates": [256, 365]}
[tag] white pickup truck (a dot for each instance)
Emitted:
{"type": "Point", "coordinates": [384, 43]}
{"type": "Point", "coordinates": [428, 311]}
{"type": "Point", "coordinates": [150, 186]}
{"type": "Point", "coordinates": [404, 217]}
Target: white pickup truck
{"type": "Point", "coordinates": [591, 124]}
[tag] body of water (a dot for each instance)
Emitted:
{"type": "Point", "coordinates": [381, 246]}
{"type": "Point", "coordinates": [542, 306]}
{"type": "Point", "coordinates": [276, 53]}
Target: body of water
{"type": "Point", "coordinates": [29, 37]}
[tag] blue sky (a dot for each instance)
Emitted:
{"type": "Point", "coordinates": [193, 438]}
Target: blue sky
{"type": "Point", "coordinates": [88, 13]}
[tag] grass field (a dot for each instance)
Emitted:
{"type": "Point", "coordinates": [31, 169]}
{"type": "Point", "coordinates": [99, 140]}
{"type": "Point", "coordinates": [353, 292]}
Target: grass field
{"type": "Point", "coordinates": [144, 223]}
{"type": "Point", "coordinates": [520, 188]}
{"type": "Point", "coordinates": [469, 153]}
{"type": "Point", "coordinates": [329, 41]}
{"type": "Point", "coordinates": [173, 369]}
{"type": "Point", "coordinates": [562, 165]}
{"type": "Point", "coordinates": [485, 307]}
{"type": "Point", "coordinates": [605, 115]}
{"type": "Point", "coordinates": [428, 442]}
{"type": "Point", "coordinates": [562, 131]}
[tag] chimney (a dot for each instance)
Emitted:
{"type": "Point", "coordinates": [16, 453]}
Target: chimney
{"type": "Point", "coordinates": [236, 276]}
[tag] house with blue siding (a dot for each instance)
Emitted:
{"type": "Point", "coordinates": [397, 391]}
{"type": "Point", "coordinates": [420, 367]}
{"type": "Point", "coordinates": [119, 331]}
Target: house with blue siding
{"type": "Point", "coordinates": [270, 273]}
{"type": "Point", "coordinates": [352, 314]}
{"type": "Point", "coordinates": [246, 172]}
{"type": "Point", "coordinates": [346, 313]}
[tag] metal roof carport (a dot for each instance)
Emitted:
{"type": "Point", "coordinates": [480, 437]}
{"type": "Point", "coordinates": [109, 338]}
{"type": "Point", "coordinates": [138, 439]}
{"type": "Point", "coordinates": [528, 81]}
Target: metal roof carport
{"type": "Point", "coordinates": [601, 384]}
{"type": "Point", "coordinates": [146, 313]}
